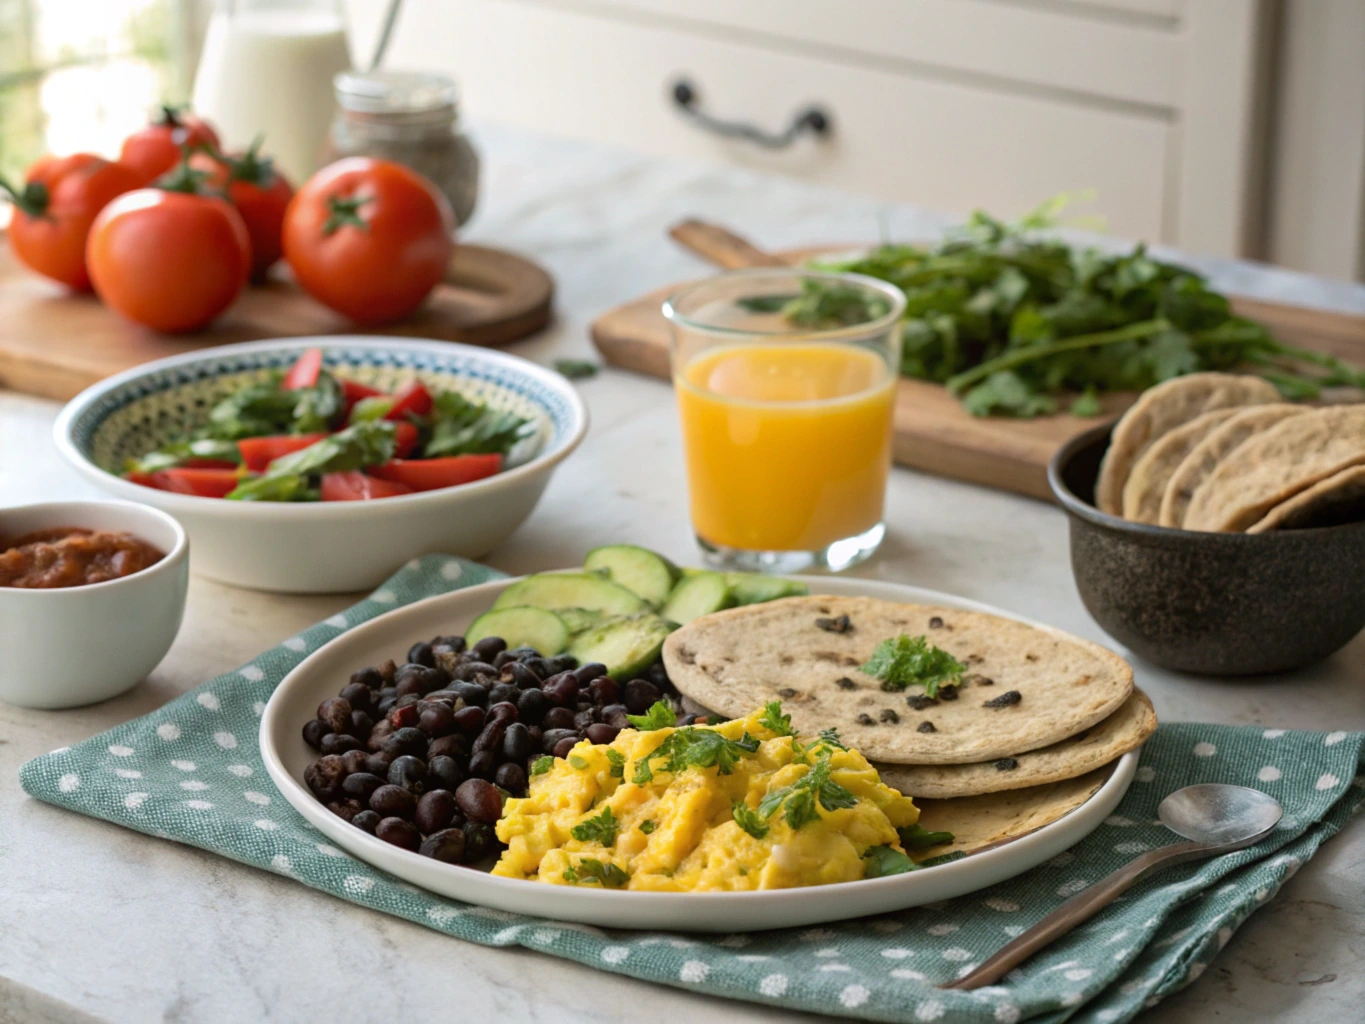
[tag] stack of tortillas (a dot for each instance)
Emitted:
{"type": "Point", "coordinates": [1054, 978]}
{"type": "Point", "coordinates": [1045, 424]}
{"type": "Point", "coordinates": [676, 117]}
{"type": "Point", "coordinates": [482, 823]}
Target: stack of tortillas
{"type": "Point", "coordinates": [1028, 733]}
{"type": "Point", "coordinates": [1221, 452]}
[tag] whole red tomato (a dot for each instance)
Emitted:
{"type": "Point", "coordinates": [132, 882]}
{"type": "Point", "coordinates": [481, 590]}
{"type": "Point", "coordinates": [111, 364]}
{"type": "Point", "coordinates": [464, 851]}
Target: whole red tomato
{"type": "Point", "coordinates": [260, 194]}
{"type": "Point", "coordinates": [55, 208]}
{"type": "Point", "coordinates": [170, 260]}
{"type": "Point", "coordinates": [156, 149]}
{"type": "Point", "coordinates": [369, 238]}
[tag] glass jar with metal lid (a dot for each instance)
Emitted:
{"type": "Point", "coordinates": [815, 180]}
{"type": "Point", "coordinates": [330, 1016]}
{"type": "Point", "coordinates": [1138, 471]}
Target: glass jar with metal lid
{"type": "Point", "coordinates": [410, 118]}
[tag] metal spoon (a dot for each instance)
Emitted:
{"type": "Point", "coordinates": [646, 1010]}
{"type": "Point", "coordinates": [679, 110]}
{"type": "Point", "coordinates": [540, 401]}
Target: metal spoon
{"type": "Point", "coordinates": [1215, 818]}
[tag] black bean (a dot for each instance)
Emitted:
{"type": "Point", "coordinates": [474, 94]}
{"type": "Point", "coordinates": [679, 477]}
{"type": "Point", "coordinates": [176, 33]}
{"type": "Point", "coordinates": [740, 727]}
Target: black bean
{"type": "Point", "coordinates": [557, 718]}
{"type": "Point", "coordinates": [382, 730]}
{"type": "Point", "coordinates": [361, 724]}
{"type": "Point", "coordinates": [479, 841]}
{"type": "Point", "coordinates": [406, 741]}
{"type": "Point", "coordinates": [615, 715]}
{"type": "Point", "coordinates": [483, 764]}
{"type": "Point", "coordinates": [378, 764]}
{"type": "Point", "coordinates": [866, 719]}
{"type": "Point", "coordinates": [405, 716]}
{"type": "Point", "coordinates": [531, 706]}
{"type": "Point", "coordinates": [605, 690]}
{"type": "Point", "coordinates": [446, 846]}
{"type": "Point", "coordinates": [419, 680]}
{"type": "Point", "coordinates": [563, 663]}
{"type": "Point", "coordinates": [504, 711]}
{"type": "Point", "coordinates": [399, 832]}
{"type": "Point", "coordinates": [1006, 699]}
{"type": "Point", "coordinates": [434, 811]}
{"type": "Point", "coordinates": [479, 801]}
{"type": "Point", "coordinates": [948, 692]}
{"type": "Point", "coordinates": [366, 820]}
{"type": "Point", "coordinates": [359, 696]}
{"type": "Point", "coordinates": [1006, 764]}
{"type": "Point", "coordinates": [552, 738]}
{"type": "Point", "coordinates": [640, 695]}
{"type": "Point", "coordinates": [448, 697]}
{"type": "Point", "coordinates": [409, 772]}
{"type": "Point", "coordinates": [386, 693]}
{"type": "Point", "coordinates": [589, 671]}
{"type": "Point", "coordinates": [450, 640]}
{"type": "Point", "coordinates": [888, 715]}
{"type": "Point", "coordinates": [511, 777]}
{"type": "Point", "coordinates": [384, 706]}
{"type": "Point", "coordinates": [324, 776]}
{"type": "Point", "coordinates": [420, 654]}
{"type": "Point", "coordinates": [927, 726]}
{"type": "Point", "coordinates": [393, 801]}
{"type": "Point", "coordinates": [361, 785]}
{"type": "Point", "coordinates": [472, 694]}
{"type": "Point", "coordinates": [583, 719]}
{"type": "Point", "coordinates": [536, 735]}
{"type": "Point", "coordinates": [562, 689]}
{"type": "Point", "coordinates": [456, 746]}
{"type": "Point", "coordinates": [489, 647]}
{"type": "Point", "coordinates": [516, 742]}
{"type": "Point", "coordinates": [600, 732]}
{"type": "Point", "coordinates": [503, 692]}
{"type": "Point", "coordinates": [475, 670]}
{"type": "Point", "coordinates": [386, 672]}
{"type": "Point", "coordinates": [502, 660]}
{"type": "Point", "coordinates": [436, 719]}
{"type": "Point", "coordinates": [565, 745]}
{"type": "Point", "coordinates": [345, 809]}
{"type": "Point", "coordinates": [470, 719]}
{"type": "Point", "coordinates": [339, 743]}
{"type": "Point", "coordinates": [313, 732]}
{"type": "Point", "coordinates": [522, 677]}
{"type": "Point", "coordinates": [658, 675]}
{"type": "Point", "coordinates": [935, 623]}
{"type": "Point", "coordinates": [335, 713]}
{"type": "Point", "coordinates": [490, 738]}
{"type": "Point", "coordinates": [444, 773]}
{"type": "Point", "coordinates": [354, 761]}
{"type": "Point", "coordinates": [368, 677]}
{"type": "Point", "coordinates": [539, 666]}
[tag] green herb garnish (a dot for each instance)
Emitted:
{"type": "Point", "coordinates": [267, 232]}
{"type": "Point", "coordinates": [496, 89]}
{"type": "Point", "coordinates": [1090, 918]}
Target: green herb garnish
{"type": "Point", "coordinates": [749, 819]}
{"type": "Point", "coordinates": [904, 660]}
{"type": "Point", "coordinates": [648, 826]}
{"type": "Point", "coordinates": [577, 762]}
{"type": "Point", "coordinates": [798, 801]}
{"type": "Point", "coordinates": [917, 837]}
{"type": "Point", "coordinates": [600, 829]}
{"type": "Point", "coordinates": [690, 747]}
{"type": "Point", "coordinates": [775, 721]}
{"type": "Point", "coordinates": [589, 869]}
{"type": "Point", "coordinates": [541, 765]}
{"type": "Point", "coordinates": [659, 716]}
{"type": "Point", "coordinates": [886, 860]}
{"type": "Point", "coordinates": [617, 760]}
{"type": "Point", "coordinates": [178, 452]}
{"type": "Point", "coordinates": [830, 738]}
{"type": "Point", "coordinates": [576, 369]}
{"type": "Point", "coordinates": [463, 427]}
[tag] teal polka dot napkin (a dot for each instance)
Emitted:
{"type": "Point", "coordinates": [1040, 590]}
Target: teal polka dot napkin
{"type": "Point", "coordinates": [191, 772]}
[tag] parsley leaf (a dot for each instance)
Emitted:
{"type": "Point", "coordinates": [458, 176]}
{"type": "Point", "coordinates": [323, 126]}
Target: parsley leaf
{"type": "Point", "coordinates": [749, 819]}
{"type": "Point", "coordinates": [798, 801]}
{"type": "Point", "coordinates": [880, 861]}
{"type": "Point", "coordinates": [541, 765]}
{"type": "Point", "coordinates": [617, 760]}
{"type": "Point", "coordinates": [917, 837]}
{"type": "Point", "coordinates": [691, 747]}
{"type": "Point", "coordinates": [775, 721]}
{"type": "Point", "coordinates": [830, 738]}
{"type": "Point", "coordinates": [463, 427]}
{"type": "Point", "coordinates": [577, 762]}
{"type": "Point", "coordinates": [589, 869]}
{"type": "Point", "coordinates": [648, 826]}
{"type": "Point", "coordinates": [576, 369]}
{"type": "Point", "coordinates": [659, 716]}
{"type": "Point", "coordinates": [600, 829]}
{"type": "Point", "coordinates": [903, 660]}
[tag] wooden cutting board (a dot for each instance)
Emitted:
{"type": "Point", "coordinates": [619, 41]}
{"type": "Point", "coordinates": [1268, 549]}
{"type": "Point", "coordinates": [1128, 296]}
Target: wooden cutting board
{"type": "Point", "coordinates": [932, 431]}
{"type": "Point", "coordinates": [55, 344]}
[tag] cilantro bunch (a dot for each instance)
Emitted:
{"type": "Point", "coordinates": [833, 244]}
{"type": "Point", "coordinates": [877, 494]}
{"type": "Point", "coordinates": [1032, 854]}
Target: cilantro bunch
{"type": "Point", "coordinates": [904, 660]}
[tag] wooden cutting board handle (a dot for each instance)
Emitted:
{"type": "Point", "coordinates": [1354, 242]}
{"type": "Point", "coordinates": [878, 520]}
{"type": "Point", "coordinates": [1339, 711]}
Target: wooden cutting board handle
{"type": "Point", "coordinates": [722, 246]}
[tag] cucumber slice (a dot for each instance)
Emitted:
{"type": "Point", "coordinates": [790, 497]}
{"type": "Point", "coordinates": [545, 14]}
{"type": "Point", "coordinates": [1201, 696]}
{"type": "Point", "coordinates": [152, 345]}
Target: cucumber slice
{"type": "Point", "coordinates": [579, 619]}
{"type": "Point", "coordinates": [627, 645]}
{"type": "Point", "coordinates": [635, 568]}
{"type": "Point", "coordinates": [571, 590]}
{"type": "Point", "coordinates": [751, 588]}
{"type": "Point", "coordinates": [697, 595]}
{"type": "Point", "coordinates": [522, 626]}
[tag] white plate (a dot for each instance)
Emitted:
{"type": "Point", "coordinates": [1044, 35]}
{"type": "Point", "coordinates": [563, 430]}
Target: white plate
{"type": "Point", "coordinates": [326, 671]}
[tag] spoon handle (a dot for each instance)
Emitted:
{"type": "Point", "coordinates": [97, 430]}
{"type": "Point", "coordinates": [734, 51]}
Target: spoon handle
{"type": "Point", "coordinates": [1081, 907]}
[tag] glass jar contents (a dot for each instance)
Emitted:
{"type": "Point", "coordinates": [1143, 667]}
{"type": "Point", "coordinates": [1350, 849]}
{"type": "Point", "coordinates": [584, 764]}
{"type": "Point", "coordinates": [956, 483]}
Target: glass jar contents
{"type": "Point", "coordinates": [410, 118]}
{"type": "Point", "coordinates": [70, 556]}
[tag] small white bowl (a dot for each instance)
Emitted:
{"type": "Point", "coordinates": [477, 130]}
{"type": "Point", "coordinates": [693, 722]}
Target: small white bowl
{"type": "Point", "coordinates": [325, 547]}
{"type": "Point", "coordinates": [69, 646]}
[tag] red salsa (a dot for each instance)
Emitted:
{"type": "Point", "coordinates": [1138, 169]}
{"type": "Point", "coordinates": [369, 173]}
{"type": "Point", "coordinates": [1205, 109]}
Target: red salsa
{"type": "Point", "coordinates": [69, 556]}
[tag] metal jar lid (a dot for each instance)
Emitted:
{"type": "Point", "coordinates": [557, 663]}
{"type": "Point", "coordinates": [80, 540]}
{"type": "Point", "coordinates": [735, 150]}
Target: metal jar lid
{"type": "Point", "coordinates": [395, 93]}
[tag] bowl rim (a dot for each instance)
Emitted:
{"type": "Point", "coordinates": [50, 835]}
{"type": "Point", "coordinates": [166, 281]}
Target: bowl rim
{"type": "Point", "coordinates": [136, 493]}
{"type": "Point", "coordinates": [167, 563]}
{"type": "Point", "coordinates": [1081, 509]}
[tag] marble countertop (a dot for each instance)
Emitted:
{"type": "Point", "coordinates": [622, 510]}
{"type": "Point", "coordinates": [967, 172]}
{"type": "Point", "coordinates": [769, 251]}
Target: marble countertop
{"type": "Point", "coordinates": [100, 923]}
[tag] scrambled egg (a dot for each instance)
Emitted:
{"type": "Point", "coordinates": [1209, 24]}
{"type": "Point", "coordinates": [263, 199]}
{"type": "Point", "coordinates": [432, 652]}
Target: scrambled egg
{"type": "Point", "coordinates": [677, 831]}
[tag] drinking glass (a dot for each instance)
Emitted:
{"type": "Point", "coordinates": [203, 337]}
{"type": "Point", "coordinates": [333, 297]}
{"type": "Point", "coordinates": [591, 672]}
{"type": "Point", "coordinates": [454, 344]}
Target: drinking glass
{"type": "Point", "coordinates": [786, 385]}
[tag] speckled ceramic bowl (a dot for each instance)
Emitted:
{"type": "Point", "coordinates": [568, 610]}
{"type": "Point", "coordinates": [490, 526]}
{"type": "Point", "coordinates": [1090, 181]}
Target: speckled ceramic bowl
{"type": "Point", "coordinates": [1209, 603]}
{"type": "Point", "coordinates": [325, 547]}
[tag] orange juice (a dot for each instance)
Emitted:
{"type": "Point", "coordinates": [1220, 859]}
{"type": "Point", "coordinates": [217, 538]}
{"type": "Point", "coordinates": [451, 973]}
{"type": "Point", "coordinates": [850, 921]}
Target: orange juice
{"type": "Point", "coordinates": [788, 445]}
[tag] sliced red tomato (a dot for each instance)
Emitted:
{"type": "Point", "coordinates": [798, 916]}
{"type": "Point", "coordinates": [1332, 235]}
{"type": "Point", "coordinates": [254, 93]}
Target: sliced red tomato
{"type": "Point", "coordinates": [352, 392]}
{"type": "Point", "coordinates": [412, 397]}
{"type": "Point", "coordinates": [356, 486]}
{"type": "Point", "coordinates": [259, 452]}
{"type": "Point", "coordinates": [304, 372]}
{"type": "Point", "coordinates": [404, 439]}
{"type": "Point", "coordinates": [431, 474]}
{"type": "Point", "coordinates": [203, 483]}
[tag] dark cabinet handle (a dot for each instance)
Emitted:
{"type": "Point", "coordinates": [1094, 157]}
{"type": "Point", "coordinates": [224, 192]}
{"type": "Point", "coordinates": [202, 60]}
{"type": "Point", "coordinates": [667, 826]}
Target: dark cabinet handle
{"type": "Point", "coordinates": [812, 119]}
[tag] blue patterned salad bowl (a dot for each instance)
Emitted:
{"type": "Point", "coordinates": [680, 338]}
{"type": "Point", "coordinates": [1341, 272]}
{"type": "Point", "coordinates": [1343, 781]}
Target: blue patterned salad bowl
{"type": "Point", "coordinates": [325, 547]}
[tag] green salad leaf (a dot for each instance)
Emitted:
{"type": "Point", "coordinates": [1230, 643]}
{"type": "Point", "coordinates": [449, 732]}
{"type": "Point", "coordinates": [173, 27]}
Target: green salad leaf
{"type": "Point", "coordinates": [358, 446]}
{"type": "Point", "coordinates": [917, 837]}
{"type": "Point", "coordinates": [463, 427]}
{"type": "Point", "coordinates": [178, 452]}
{"type": "Point", "coordinates": [880, 861]}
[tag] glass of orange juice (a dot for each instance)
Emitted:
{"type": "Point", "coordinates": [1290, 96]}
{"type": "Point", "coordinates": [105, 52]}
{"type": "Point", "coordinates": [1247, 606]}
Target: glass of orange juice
{"type": "Point", "coordinates": [786, 385]}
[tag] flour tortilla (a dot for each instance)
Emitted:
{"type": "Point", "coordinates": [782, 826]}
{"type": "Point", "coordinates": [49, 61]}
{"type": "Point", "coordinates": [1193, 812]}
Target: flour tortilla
{"type": "Point", "coordinates": [1199, 465]}
{"type": "Point", "coordinates": [737, 660]}
{"type": "Point", "coordinates": [1277, 464]}
{"type": "Point", "coordinates": [981, 822]}
{"type": "Point", "coordinates": [1126, 729]}
{"type": "Point", "coordinates": [1338, 499]}
{"type": "Point", "coordinates": [1151, 473]}
{"type": "Point", "coordinates": [1163, 408]}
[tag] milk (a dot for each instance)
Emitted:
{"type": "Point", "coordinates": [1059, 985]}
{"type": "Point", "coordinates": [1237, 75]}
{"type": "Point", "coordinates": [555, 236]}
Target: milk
{"type": "Point", "coordinates": [270, 72]}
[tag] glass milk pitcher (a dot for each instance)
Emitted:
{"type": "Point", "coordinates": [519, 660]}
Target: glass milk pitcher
{"type": "Point", "coordinates": [267, 69]}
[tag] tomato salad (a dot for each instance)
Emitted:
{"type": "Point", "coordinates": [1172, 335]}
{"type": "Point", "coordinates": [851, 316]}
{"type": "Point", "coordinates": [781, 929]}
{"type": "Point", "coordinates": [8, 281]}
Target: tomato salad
{"type": "Point", "coordinates": [307, 435]}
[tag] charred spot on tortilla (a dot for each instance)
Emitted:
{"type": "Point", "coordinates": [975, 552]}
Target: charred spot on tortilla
{"type": "Point", "coordinates": [948, 692]}
{"type": "Point", "coordinates": [837, 624]}
{"type": "Point", "coordinates": [845, 683]}
{"type": "Point", "coordinates": [866, 719]}
{"type": "Point", "coordinates": [1006, 764]}
{"type": "Point", "coordinates": [687, 656]}
{"type": "Point", "coordinates": [1006, 699]}
{"type": "Point", "coordinates": [785, 659]}
{"type": "Point", "coordinates": [918, 701]}
{"type": "Point", "coordinates": [935, 622]}
{"type": "Point", "coordinates": [889, 715]}
{"type": "Point", "coordinates": [977, 679]}
{"type": "Point", "coordinates": [927, 726]}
